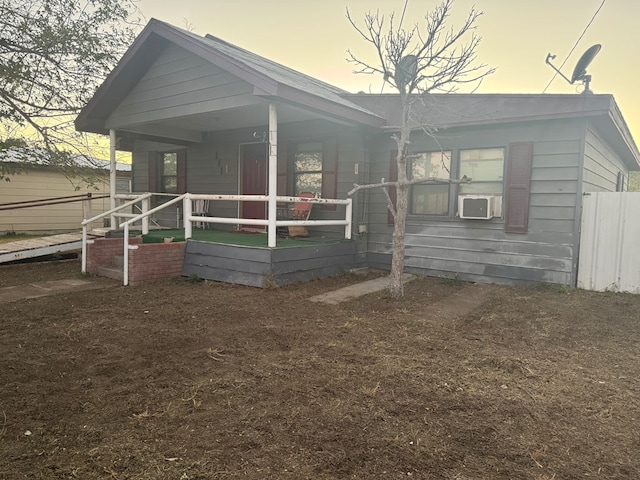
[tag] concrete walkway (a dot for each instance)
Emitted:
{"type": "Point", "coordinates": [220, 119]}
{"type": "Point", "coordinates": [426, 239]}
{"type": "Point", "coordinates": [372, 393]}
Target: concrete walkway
{"type": "Point", "coordinates": [359, 289]}
{"type": "Point", "coordinates": [458, 304]}
{"type": "Point", "coordinates": [42, 289]}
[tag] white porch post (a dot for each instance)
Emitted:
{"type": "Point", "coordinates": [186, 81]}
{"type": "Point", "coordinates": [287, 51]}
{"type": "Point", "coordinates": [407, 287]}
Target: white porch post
{"type": "Point", "coordinates": [145, 221]}
{"type": "Point", "coordinates": [273, 174]}
{"type": "Point", "coordinates": [112, 176]}
{"type": "Point", "coordinates": [187, 211]}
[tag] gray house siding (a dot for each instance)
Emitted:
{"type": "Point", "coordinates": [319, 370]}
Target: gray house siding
{"type": "Point", "coordinates": [352, 157]}
{"type": "Point", "coordinates": [480, 250]}
{"type": "Point", "coordinates": [179, 84]}
{"type": "Point", "coordinates": [214, 170]}
{"type": "Point", "coordinates": [601, 165]}
{"type": "Point", "coordinates": [139, 171]}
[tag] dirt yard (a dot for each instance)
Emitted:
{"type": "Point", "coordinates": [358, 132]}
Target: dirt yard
{"type": "Point", "coordinates": [191, 380]}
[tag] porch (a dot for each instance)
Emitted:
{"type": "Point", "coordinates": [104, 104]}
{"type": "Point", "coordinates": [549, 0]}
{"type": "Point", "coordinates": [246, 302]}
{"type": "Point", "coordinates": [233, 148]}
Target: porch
{"type": "Point", "coordinates": [244, 258]}
{"type": "Point", "coordinates": [234, 256]}
{"type": "Point", "coordinates": [235, 129]}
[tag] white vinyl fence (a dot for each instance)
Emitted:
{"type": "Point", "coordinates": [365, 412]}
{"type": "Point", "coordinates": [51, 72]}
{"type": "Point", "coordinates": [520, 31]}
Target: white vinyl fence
{"type": "Point", "coordinates": [609, 242]}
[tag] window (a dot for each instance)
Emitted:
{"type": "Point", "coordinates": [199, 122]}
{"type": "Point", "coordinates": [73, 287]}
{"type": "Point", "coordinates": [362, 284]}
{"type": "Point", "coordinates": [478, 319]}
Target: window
{"type": "Point", "coordinates": [430, 199]}
{"type": "Point", "coordinates": [169, 173]}
{"type": "Point", "coordinates": [485, 166]}
{"type": "Point", "coordinates": [307, 166]}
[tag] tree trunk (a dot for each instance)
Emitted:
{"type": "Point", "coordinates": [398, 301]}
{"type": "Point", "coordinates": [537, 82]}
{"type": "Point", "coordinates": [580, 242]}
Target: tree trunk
{"type": "Point", "coordinates": [397, 261]}
{"type": "Point", "coordinates": [396, 287]}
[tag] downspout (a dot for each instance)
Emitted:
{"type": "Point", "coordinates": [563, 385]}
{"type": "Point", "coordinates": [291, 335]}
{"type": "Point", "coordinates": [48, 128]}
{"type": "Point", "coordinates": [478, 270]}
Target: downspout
{"type": "Point", "coordinates": [273, 175]}
{"type": "Point", "coordinates": [112, 176]}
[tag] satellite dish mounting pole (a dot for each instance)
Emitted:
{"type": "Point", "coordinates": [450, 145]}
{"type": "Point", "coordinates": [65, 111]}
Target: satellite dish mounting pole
{"type": "Point", "coordinates": [580, 70]}
{"type": "Point", "coordinates": [587, 80]}
{"type": "Point", "coordinates": [548, 62]}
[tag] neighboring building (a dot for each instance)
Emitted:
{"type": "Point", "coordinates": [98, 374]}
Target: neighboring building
{"type": "Point", "coordinates": [36, 182]}
{"type": "Point", "coordinates": [194, 112]}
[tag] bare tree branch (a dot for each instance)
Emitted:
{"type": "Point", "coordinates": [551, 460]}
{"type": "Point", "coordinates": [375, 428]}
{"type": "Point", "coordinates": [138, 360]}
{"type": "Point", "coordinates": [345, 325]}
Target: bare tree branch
{"type": "Point", "coordinates": [53, 55]}
{"type": "Point", "coordinates": [417, 61]}
{"type": "Point", "coordinates": [415, 181]}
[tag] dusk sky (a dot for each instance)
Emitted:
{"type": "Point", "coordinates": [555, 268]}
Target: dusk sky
{"type": "Point", "coordinates": [312, 36]}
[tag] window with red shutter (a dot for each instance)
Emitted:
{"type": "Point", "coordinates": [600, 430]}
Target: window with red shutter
{"type": "Point", "coordinates": [315, 169]}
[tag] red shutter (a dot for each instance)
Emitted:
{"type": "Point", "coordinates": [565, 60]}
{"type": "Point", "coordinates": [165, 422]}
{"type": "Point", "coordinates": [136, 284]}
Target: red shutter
{"type": "Point", "coordinates": [518, 187]}
{"type": "Point", "coordinates": [330, 171]}
{"type": "Point", "coordinates": [393, 177]}
{"type": "Point", "coordinates": [182, 171]}
{"type": "Point", "coordinates": [153, 171]}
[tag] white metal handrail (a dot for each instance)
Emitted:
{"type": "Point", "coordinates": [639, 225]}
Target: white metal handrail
{"type": "Point", "coordinates": [189, 218]}
{"type": "Point", "coordinates": [142, 216]}
{"type": "Point", "coordinates": [117, 209]}
{"type": "Point", "coordinates": [113, 213]}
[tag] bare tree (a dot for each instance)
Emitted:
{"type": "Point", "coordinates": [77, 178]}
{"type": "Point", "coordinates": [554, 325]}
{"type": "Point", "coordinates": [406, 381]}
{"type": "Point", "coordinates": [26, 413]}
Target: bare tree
{"type": "Point", "coordinates": [417, 61]}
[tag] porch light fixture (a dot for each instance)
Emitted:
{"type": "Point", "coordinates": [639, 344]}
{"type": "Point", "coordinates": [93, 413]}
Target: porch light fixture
{"type": "Point", "coordinates": [262, 136]}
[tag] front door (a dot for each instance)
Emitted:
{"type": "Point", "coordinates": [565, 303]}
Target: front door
{"type": "Point", "coordinates": [253, 181]}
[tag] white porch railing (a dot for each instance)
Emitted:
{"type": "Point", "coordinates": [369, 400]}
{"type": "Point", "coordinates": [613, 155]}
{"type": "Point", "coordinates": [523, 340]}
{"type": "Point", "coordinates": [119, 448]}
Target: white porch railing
{"type": "Point", "coordinates": [188, 217]}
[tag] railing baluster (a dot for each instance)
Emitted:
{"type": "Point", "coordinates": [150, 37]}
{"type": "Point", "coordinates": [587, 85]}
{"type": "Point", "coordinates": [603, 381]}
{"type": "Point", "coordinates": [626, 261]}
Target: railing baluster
{"type": "Point", "coordinates": [145, 219]}
{"type": "Point", "coordinates": [187, 211]}
{"type": "Point", "coordinates": [84, 249]}
{"type": "Point", "coordinates": [125, 268]}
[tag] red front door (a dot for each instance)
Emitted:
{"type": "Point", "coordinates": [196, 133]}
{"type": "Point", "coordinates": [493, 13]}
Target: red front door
{"type": "Point", "coordinates": [253, 181]}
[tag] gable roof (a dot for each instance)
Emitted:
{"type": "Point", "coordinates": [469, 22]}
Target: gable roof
{"type": "Point", "coordinates": [269, 79]}
{"type": "Point", "coordinates": [275, 82]}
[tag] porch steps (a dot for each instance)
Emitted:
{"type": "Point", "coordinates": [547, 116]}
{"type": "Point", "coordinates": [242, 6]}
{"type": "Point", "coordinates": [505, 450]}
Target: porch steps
{"type": "Point", "coordinates": [115, 270]}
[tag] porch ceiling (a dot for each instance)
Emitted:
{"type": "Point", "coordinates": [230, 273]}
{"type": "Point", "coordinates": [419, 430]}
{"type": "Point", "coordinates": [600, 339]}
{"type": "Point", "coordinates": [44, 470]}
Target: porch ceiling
{"type": "Point", "coordinates": [193, 128]}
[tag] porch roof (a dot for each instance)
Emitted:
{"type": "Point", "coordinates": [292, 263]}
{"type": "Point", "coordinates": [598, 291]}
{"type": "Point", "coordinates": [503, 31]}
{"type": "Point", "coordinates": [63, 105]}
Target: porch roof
{"type": "Point", "coordinates": [269, 80]}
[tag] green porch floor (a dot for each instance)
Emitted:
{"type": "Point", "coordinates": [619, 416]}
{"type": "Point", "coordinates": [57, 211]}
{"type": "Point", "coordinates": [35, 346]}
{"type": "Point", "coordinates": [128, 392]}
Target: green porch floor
{"type": "Point", "coordinates": [233, 238]}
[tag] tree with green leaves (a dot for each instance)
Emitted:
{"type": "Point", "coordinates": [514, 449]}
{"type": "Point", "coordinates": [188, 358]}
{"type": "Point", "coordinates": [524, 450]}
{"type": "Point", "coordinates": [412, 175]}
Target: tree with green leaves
{"type": "Point", "coordinates": [53, 56]}
{"type": "Point", "coordinates": [415, 62]}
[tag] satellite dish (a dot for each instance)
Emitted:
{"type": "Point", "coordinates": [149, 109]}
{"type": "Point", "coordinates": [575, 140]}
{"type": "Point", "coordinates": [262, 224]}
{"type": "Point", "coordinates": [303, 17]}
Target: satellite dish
{"type": "Point", "coordinates": [406, 70]}
{"type": "Point", "coordinates": [580, 72]}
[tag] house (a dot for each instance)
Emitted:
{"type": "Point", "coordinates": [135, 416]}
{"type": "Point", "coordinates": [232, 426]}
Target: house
{"type": "Point", "coordinates": [43, 199]}
{"type": "Point", "coordinates": [206, 117]}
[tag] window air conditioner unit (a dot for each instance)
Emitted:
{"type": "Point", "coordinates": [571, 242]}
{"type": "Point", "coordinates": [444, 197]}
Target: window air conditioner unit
{"type": "Point", "coordinates": [479, 207]}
